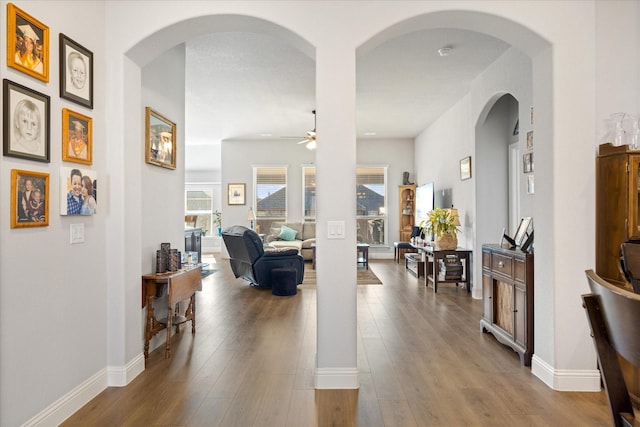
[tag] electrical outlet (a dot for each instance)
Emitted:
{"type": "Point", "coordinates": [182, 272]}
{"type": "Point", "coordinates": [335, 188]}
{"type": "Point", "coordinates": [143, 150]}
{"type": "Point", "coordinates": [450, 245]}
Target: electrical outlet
{"type": "Point", "coordinates": [76, 232]}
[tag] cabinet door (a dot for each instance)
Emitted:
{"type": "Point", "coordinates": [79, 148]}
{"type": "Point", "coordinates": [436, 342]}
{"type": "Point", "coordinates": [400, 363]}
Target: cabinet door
{"type": "Point", "coordinates": [634, 200]}
{"type": "Point", "coordinates": [519, 315]}
{"type": "Point", "coordinates": [487, 297]}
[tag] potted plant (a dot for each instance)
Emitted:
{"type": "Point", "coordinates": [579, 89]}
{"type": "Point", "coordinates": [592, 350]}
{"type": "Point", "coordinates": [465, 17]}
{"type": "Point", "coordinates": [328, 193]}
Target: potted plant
{"type": "Point", "coordinates": [217, 220]}
{"type": "Point", "coordinates": [444, 224]}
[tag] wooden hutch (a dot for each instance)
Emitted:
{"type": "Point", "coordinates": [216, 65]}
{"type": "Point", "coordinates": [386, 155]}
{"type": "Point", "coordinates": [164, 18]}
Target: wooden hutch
{"type": "Point", "coordinates": [617, 201]}
{"type": "Point", "coordinates": [407, 211]}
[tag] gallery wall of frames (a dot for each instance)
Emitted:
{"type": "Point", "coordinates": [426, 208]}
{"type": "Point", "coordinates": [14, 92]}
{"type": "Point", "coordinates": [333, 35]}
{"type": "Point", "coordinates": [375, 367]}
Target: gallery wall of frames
{"type": "Point", "coordinates": [27, 124]}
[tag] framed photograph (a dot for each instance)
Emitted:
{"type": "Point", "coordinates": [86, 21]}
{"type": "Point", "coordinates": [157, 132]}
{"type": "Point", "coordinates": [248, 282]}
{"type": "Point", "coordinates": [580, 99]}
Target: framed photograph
{"type": "Point", "coordinates": [76, 72]}
{"type": "Point", "coordinates": [523, 228]}
{"type": "Point", "coordinates": [77, 134]}
{"type": "Point", "coordinates": [530, 140]}
{"type": "Point", "coordinates": [465, 168]}
{"type": "Point", "coordinates": [29, 199]}
{"type": "Point", "coordinates": [26, 123]}
{"type": "Point", "coordinates": [530, 185]}
{"type": "Point", "coordinates": [27, 44]}
{"type": "Point", "coordinates": [236, 194]}
{"type": "Point", "coordinates": [78, 191]}
{"type": "Point", "coordinates": [527, 160]}
{"type": "Point", "coordinates": [160, 142]}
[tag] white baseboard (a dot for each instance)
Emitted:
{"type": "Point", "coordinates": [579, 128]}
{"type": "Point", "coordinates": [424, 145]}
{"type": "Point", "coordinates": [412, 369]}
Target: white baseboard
{"type": "Point", "coordinates": [341, 378]}
{"type": "Point", "coordinates": [68, 404]}
{"type": "Point", "coordinates": [564, 379]}
{"type": "Point", "coordinates": [120, 376]}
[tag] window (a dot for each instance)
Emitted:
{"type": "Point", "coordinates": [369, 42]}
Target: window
{"type": "Point", "coordinates": [270, 197]}
{"type": "Point", "coordinates": [309, 196]}
{"type": "Point", "coordinates": [371, 208]}
{"type": "Point", "coordinates": [199, 203]}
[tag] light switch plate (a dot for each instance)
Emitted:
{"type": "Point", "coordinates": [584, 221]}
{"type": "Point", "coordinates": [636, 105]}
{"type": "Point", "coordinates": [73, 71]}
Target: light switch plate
{"type": "Point", "coordinates": [76, 232]}
{"type": "Point", "coordinates": [336, 229]}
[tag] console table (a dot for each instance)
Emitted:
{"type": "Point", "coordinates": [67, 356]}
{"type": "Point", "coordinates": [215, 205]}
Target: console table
{"type": "Point", "coordinates": [432, 267]}
{"type": "Point", "coordinates": [179, 286]}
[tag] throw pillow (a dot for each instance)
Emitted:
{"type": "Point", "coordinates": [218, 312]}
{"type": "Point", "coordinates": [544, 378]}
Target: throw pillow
{"type": "Point", "coordinates": [287, 233]}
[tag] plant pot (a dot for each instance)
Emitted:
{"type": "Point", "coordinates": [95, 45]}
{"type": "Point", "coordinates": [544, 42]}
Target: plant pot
{"type": "Point", "coordinates": [446, 242]}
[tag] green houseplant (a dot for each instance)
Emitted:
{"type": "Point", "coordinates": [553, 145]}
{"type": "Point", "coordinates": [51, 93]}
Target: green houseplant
{"type": "Point", "coordinates": [444, 224]}
{"type": "Point", "coordinates": [217, 220]}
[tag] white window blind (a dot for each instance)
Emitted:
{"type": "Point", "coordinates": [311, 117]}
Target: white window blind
{"type": "Point", "coordinates": [270, 185]}
{"type": "Point", "coordinates": [309, 188]}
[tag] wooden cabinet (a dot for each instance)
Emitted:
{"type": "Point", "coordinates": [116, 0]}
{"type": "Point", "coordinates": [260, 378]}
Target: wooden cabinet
{"type": "Point", "coordinates": [407, 211]}
{"type": "Point", "coordinates": [507, 298]}
{"type": "Point", "coordinates": [617, 205]}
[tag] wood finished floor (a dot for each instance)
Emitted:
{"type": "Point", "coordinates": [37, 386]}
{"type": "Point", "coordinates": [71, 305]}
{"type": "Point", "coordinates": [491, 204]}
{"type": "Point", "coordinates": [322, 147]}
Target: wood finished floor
{"type": "Point", "coordinates": [421, 357]}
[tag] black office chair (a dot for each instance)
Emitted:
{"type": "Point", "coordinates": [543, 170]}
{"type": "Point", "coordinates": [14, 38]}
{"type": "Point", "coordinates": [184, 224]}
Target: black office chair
{"type": "Point", "coordinates": [630, 264]}
{"type": "Point", "coordinates": [251, 262]}
{"type": "Point", "coordinates": [614, 316]}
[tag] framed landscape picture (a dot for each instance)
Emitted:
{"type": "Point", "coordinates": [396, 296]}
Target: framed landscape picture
{"type": "Point", "coordinates": [76, 72]}
{"type": "Point", "coordinates": [77, 143]}
{"type": "Point", "coordinates": [27, 44]}
{"type": "Point", "coordinates": [236, 194]}
{"type": "Point", "coordinates": [29, 199]}
{"type": "Point", "coordinates": [160, 140]}
{"type": "Point", "coordinates": [26, 123]}
{"type": "Point", "coordinates": [465, 168]}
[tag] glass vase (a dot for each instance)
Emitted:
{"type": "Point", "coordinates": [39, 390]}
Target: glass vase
{"type": "Point", "coordinates": [634, 133]}
{"type": "Point", "coordinates": [618, 129]}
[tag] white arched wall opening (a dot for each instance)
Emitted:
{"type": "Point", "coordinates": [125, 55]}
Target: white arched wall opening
{"type": "Point", "coordinates": [556, 357]}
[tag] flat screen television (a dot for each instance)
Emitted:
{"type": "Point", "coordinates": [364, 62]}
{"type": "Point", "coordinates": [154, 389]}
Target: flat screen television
{"type": "Point", "coordinates": [443, 198]}
{"type": "Point", "coordinates": [425, 196]}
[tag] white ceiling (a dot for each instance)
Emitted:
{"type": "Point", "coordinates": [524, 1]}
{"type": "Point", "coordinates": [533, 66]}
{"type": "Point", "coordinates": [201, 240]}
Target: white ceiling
{"type": "Point", "coordinates": [252, 86]}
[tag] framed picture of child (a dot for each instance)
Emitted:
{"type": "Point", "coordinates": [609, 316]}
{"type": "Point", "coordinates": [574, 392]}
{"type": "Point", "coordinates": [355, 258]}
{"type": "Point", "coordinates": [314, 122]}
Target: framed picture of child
{"type": "Point", "coordinates": [27, 44]}
{"type": "Point", "coordinates": [26, 123]}
{"type": "Point", "coordinates": [76, 72]}
{"type": "Point", "coordinates": [29, 199]}
{"type": "Point", "coordinates": [78, 191]}
{"type": "Point", "coordinates": [160, 140]}
{"type": "Point", "coordinates": [76, 137]}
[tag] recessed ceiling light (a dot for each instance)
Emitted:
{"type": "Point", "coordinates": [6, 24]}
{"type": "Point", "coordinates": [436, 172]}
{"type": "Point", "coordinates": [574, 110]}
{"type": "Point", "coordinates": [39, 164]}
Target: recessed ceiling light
{"type": "Point", "coordinates": [445, 51]}
{"type": "Point", "coordinates": [265, 134]}
{"type": "Point", "coordinates": [369, 134]}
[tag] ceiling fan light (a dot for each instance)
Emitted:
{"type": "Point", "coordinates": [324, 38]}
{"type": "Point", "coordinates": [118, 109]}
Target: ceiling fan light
{"type": "Point", "coordinates": [311, 145]}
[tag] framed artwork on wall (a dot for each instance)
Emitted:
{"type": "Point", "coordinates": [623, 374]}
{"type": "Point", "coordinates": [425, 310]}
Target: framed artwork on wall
{"type": "Point", "coordinates": [78, 191]}
{"type": "Point", "coordinates": [530, 140]}
{"type": "Point", "coordinates": [465, 168]}
{"type": "Point", "coordinates": [29, 199]}
{"type": "Point", "coordinates": [27, 44]}
{"type": "Point", "coordinates": [160, 140]}
{"type": "Point", "coordinates": [77, 145]}
{"type": "Point", "coordinates": [527, 162]}
{"type": "Point", "coordinates": [26, 123]}
{"type": "Point", "coordinates": [76, 72]}
{"type": "Point", "coordinates": [236, 194]}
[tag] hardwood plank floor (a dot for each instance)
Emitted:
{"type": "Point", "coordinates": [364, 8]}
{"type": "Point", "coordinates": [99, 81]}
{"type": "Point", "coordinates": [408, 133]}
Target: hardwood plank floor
{"type": "Point", "coordinates": [422, 360]}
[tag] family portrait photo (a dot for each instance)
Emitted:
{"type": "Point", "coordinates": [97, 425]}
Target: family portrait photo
{"type": "Point", "coordinates": [26, 123]}
{"type": "Point", "coordinates": [76, 72]}
{"type": "Point", "coordinates": [27, 44]}
{"type": "Point", "coordinates": [29, 199]}
{"type": "Point", "coordinates": [78, 191]}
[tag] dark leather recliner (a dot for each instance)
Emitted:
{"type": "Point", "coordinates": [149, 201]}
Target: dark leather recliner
{"type": "Point", "coordinates": [252, 263]}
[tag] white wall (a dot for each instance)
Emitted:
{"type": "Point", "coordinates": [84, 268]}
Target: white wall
{"type": "Point", "coordinates": [52, 294]}
{"type": "Point", "coordinates": [93, 290]}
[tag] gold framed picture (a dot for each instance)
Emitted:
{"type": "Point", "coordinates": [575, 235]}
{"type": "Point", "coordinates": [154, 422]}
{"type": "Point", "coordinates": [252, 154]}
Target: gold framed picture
{"type": "Point", "coordinates": [27, 44]}
{"type": "Point", "coordinates": [236, 194]}
{"type": "Point", "coordinates": [29, 199]}
{"type": "Point", "coordinates": [160, 140]}
{"type": "Point", "coordinates": [77, 131]}
{"type": "Point", "coordinates": [465, 168]}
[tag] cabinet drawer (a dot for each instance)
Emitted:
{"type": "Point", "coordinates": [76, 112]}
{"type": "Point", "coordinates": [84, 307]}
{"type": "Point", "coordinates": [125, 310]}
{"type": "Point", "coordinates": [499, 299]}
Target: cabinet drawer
{"type": "Point", "coordinates": [502, 264]}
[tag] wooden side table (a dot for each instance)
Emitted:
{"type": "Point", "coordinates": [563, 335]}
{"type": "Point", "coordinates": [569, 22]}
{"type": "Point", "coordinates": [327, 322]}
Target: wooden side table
{"type": "Point", "coordinates": [433, 265]}
{"type": "Point", "coordinates": [179, 286]}
{"type": "Point", "coordinates": [363, 254]}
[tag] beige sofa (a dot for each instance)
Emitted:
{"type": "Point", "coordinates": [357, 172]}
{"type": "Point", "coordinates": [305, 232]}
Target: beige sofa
{"type": "Point", "coordinates": [305, 237]}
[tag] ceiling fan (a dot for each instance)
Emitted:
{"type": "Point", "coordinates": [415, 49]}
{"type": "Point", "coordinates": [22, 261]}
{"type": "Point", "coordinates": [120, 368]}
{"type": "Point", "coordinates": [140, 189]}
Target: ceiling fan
{"type": "Point", "coordinates": [310, 139]}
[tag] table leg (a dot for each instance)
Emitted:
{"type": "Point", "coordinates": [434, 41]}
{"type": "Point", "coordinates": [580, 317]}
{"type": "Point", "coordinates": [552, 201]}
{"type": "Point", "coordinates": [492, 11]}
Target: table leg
{"type": "Point", "coordinates": [149, 324]}
{"type": "Point", "coordinates": [167, 351]}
